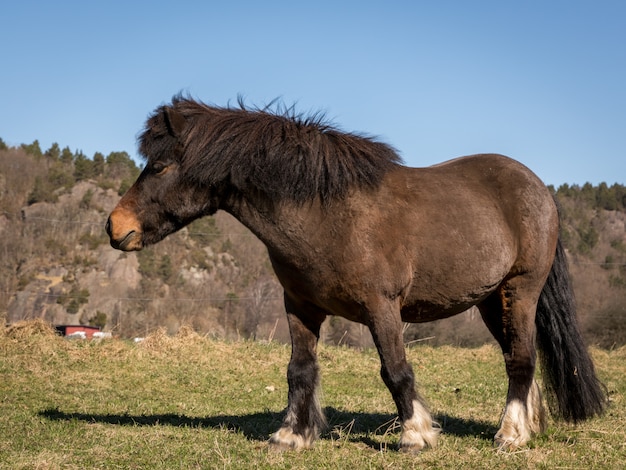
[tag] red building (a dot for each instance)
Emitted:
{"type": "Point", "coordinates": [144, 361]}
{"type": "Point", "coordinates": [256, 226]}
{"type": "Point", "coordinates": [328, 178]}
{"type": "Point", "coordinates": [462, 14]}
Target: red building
{"type": "Point", "coordinates": [78, 331]}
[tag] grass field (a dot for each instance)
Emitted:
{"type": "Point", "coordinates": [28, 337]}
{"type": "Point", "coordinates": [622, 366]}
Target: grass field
{"type": "Point", "coordinates": [191, 402]}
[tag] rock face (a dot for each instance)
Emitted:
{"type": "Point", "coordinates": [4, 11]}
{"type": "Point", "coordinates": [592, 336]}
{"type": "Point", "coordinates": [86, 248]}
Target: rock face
{"type": "Point", "coordinates": [80, 266]}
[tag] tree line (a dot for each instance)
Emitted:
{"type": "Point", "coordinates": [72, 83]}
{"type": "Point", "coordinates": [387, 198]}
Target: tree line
{"type": "Point", "coordinates": [602, 196]}
{"type": "Point", "coordinates": [65, 168]}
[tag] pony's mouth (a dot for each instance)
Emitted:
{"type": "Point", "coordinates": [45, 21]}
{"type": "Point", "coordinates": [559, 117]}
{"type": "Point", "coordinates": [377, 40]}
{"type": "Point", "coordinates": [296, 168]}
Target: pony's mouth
{"type": "Point", "coordinates": [131, 242]}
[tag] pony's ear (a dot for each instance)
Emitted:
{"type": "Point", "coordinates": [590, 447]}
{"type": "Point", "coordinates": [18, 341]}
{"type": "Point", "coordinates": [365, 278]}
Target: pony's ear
{"type": "Point", "coordinates": [174, 121]}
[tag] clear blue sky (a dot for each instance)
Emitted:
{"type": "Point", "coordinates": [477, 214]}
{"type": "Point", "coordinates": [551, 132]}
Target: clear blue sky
{"type": "Point", "coordinates": [541, 81]}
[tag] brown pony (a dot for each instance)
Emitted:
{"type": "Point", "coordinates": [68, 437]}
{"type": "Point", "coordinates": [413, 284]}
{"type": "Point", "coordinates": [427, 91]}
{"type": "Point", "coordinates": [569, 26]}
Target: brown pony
{"type": "Point", "coordinates": [352, 232]}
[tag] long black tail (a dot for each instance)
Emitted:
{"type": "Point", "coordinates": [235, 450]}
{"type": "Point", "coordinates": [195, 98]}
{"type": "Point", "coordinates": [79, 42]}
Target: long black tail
{"type": "Point", "coordinates": [574, 392]}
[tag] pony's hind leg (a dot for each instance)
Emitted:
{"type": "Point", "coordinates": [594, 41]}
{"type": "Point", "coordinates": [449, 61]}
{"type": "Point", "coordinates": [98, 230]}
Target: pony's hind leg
{"type": "Point", "coordinates": [511, 319]}
{"type": "Point", "coordinates": [304, 418]}
{"type": "Point", "coordinates": [417, 424]}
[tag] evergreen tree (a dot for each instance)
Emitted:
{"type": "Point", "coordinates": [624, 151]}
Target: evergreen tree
{"type": "Point", "coordinates": [33, 149]}
{"type": "Point", "coordinates": [98, 164]}
{"type": "Point", "coordinates": [620, 195]}
{"type": "Point", "coordinates": [54, 152]}
{"type": "Point", "coordinates": [83, 167]}
{"type": "Point", "coordinates": [42, 192]}
{"type": "Point", "coordinates": [60, 176]}
{"type": "Point", "coordinates": [588, 194]}
{"type": "Point", "coordinates": [121, 167]}
{"type": "Point", "coordinates": [565, 191]}
{"type": "Point", "coordinates": [605, 198]}
{"type": "Point", "coordinates": [67, 156]}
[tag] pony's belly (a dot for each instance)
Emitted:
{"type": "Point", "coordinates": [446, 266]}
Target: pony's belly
{"type": "Point", "coordinates": [424, 308]}
{"type": "Point", "coordinates": [425, 312]}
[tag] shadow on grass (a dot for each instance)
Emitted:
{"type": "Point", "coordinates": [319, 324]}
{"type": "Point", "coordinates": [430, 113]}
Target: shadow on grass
{"type": "Point", "coordinates": [367, 428]}
{"type": "Point", "coordinates": [355, 427]}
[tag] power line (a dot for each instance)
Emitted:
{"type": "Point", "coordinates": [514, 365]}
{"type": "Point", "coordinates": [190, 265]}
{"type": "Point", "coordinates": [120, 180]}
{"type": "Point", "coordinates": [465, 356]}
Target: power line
{"type": "Point", "coordinates": [102, 224]}
{"type": "Point", "coordinates": [148, 299]}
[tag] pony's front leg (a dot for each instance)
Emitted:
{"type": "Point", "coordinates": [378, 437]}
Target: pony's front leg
{"type": "Point", "coordinates": [418, 430]}
{"type": "Point", "coordinates": [304, 419]}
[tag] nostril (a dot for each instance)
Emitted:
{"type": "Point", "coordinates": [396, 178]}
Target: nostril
{"type": "Point", "coordinates": [124, 230]}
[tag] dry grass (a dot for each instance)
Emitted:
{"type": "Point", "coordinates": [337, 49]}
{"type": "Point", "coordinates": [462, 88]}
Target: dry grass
{"type": "Point", "coordinates": [192, 402]}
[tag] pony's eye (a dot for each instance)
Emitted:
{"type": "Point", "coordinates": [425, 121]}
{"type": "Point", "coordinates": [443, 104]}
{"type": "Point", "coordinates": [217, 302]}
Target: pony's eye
{"type": "Point", "coordinates": [159, 167]}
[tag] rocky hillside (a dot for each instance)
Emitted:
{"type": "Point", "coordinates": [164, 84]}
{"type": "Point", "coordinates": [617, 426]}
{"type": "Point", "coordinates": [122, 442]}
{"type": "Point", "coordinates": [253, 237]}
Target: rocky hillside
{"type": "Point", "coordinates": [56, 262]}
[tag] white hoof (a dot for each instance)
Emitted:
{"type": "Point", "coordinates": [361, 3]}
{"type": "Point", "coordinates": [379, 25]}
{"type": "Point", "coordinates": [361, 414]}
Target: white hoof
{"type": "Point", "coordinates": [418, 432]}
{"type": "Point", "coordinates": [286, 439]}
{"type": "Point", "coordinates": [521, 421]}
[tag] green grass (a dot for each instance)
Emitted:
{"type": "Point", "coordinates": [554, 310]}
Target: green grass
{"type": "Point", "coordinates": [191, 402]}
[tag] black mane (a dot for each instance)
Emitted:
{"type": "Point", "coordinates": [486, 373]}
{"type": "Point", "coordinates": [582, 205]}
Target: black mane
{"type": "Point", "coordinates": [281, 153]}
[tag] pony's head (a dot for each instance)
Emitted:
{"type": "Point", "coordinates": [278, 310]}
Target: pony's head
{"type": "Point", "coordinates": [162, 200]}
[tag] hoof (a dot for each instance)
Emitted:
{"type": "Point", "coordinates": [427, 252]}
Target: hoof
{"type": "Point", "coordinates": [280, 446]}
{"type": "Point", "coordinates": [418, 432]}
{"type": "Point", "coordinates": [285, 439]}
{"type": "Point", "coordinates": [411, 450]}
{"type": "Point", "coordinates": [508, 444]}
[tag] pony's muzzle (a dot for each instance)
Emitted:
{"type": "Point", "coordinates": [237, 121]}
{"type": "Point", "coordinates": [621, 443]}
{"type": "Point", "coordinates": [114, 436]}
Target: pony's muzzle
{"type": "Point", "coordinates": [124, 230]}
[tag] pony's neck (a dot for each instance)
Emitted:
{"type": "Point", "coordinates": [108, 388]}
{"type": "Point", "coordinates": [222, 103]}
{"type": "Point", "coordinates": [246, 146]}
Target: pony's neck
{"type": "Point", "coordinates": [282, 226]}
